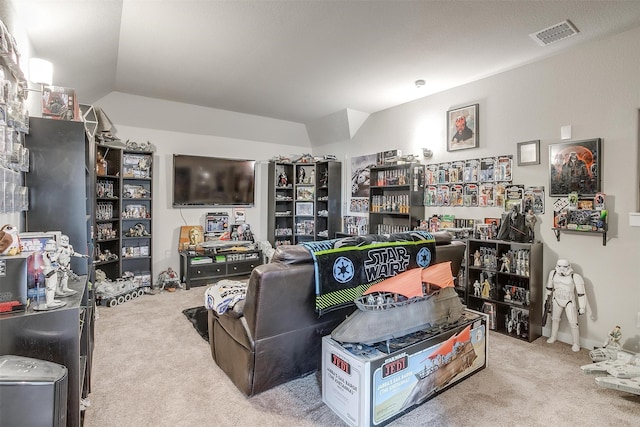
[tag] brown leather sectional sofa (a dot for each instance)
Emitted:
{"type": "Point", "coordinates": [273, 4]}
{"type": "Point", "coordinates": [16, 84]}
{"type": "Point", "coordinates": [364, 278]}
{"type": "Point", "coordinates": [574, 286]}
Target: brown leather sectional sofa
{"type": "Point", "coordinates": [275, 336]}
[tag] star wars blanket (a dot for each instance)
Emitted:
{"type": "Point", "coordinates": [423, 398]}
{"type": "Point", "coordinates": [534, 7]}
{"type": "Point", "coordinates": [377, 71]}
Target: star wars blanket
{"type": "Point", "coordinates": [224, 295]}
{"type": "Point", "coordinates": [346, 267]}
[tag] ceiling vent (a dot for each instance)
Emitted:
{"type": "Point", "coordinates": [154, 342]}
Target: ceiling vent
{"type": "Point", "coordinates": [555, 33]}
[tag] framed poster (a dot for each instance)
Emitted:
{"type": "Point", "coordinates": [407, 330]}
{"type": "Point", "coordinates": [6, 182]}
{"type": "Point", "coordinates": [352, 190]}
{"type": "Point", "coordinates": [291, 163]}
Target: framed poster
{"type": "Point", "coordinates": [575, 167]}
{"type": "Point", "coordinates": [462, 128]}
{"type": "Point", "coordinates": [529, 153]}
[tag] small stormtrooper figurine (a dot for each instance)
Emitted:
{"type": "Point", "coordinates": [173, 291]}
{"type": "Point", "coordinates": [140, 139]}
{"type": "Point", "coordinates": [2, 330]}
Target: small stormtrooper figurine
{"type": "Point", "coordinates": [50, 272]}
{"type": "Point", "coordinates": [64, 254]}
{"type": "Point", "coordinates": [563, 284]}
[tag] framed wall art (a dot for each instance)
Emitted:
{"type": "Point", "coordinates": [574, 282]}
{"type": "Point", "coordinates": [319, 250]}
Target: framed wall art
{"type": "Point", "coordinates": [574, 167]}
{"type": "Point", "coordinates": [462, 128]}
{"type": "Point", "coordinates": [529, 153]}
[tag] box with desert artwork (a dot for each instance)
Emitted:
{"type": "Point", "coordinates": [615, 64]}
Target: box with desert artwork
{"type": "Point", "coordinates": [373, 385]}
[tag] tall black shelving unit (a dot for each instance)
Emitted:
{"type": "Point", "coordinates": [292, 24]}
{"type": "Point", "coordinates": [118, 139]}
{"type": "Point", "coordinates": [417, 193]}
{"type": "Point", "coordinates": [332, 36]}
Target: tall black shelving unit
{"type": "Point", "coordinates": [304, 201]}
{"type": "Point", "coordinates": [61, 198]}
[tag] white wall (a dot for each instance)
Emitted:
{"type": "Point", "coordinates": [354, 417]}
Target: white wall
{"type": "Point", "coordinates": [595, 90]}
{"type": "Point", "coordinates": [592, 88]}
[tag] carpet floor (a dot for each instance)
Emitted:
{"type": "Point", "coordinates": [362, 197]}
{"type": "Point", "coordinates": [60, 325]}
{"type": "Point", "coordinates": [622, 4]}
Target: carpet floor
{"type": "Point", "coordinates": [152, 368]}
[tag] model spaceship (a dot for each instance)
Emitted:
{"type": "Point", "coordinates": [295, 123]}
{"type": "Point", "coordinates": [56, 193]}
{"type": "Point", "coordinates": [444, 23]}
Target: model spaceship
{"type": "Point", "coordinates": [411, 301]}
{"type": "Point", "coordinates": [616, 369]}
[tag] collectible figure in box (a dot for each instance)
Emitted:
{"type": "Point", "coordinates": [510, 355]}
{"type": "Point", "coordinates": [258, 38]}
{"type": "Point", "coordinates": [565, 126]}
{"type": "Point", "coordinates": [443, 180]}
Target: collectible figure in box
{"type": "Point", "coordinates": [60, 103]}
{"type": "Point", "coordinates": [372, 385]}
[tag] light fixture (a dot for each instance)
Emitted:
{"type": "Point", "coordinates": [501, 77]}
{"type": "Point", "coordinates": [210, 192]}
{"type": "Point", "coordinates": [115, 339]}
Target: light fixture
{"type": "Point", "coordinates": [40, 71]}
{"type": "Point", "coordinates": [426, 153]}
{"type": "Point", "coordinates": [419, 83]}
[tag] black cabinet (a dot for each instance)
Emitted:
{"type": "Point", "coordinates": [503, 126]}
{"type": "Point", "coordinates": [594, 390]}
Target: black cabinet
{"type": "Point", "coordinates": [57, 182]}
{"type": "Point", "coordinates": [61, 198]}
{"type": "Point", "coordinates": [197, 269]}
{"type": "Point", "coordinates": [63, 336]}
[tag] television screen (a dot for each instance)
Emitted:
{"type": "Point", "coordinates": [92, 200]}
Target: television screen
{"type": "Point", "coordinates": [212, 181]}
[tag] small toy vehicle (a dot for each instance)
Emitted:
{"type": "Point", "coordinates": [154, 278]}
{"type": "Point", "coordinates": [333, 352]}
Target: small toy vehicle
{"type": "Point", "coordinates": [112, 293]}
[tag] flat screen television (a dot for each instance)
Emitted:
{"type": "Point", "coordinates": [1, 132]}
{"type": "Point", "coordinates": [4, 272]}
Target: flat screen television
{"type": "Point", "coordinates": [212, 181]}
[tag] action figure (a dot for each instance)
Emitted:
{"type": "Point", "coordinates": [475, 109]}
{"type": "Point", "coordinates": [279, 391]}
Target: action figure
{"type": "Point", "coordinates": [506, 263]}
{"type": "Point", "coordinates": [476, 288]}
{"type": "Point", "coordinates": [282, 179]}
{"type": "Point", "coordinates": [50, 271]}
{"type": "Point", "coordinates": [562, 286]}
{"type": "Point", "coordinates": [530, 221]}
{"type": "Point", "coordinates": [169, 280]}
{"type": "Point", "coordinates": [512, 226]}
{"type": "Point", "coordinates": [64, 253]}
{"type": "Point", "coordinates": [476, 259]}
{"type": "Point", "coordinates": [613, 339]}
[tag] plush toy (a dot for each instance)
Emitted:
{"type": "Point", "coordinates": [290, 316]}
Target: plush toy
{"type": "Point", "coordinates": [9, 240]}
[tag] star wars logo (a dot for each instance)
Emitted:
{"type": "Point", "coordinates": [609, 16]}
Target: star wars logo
{"type": "Point", "coordinates": [395, 365]}
{"type": "Point", "coordinates": [386, 262]}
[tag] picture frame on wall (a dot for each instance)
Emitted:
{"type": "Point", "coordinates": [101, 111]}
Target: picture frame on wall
{"type": "Point", "coordinates": [529, 153]}
{"type": "Point", "coordinates": [575, 167]}
{"type": "Point", "coordinates": [462, 128]}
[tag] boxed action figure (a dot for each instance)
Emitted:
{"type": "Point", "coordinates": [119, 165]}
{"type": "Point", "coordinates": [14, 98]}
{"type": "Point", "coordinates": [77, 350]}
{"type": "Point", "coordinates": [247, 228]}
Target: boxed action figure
{"type": "Point", "coordinates": [60, 103]}
{"type": "Point", "coordinates": [373, 385]}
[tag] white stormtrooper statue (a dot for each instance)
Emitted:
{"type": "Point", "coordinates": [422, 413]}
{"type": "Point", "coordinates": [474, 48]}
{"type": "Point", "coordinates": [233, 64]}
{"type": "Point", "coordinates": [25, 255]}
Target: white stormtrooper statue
{"type": "Point", "coordinates": [50, 272]}
{"type": "Point", "coordinates": [64, 254]}
{"type": "Point", "coordinates": [563, 284]}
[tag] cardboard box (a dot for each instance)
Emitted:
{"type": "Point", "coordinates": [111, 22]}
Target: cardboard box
{"type": "Point", "coordinates": [366, 386]}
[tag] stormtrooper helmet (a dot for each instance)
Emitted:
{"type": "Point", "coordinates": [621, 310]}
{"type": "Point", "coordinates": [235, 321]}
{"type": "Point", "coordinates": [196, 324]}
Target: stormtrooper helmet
{"type": "Point", "coordinates": [563, 267]}
{"type": "Point", "coordinates": [64, 240]}
{"type": "Point", "coordinates": [50, 246]}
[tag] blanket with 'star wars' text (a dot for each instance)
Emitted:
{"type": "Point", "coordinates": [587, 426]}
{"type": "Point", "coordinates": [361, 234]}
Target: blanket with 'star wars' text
{"type": "Point", "coordinates": [346, 267]}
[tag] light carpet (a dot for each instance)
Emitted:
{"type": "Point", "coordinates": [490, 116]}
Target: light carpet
{"type": "Point", "coordinates": [152, 368]}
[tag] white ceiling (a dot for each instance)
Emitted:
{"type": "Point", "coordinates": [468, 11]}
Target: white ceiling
{"type": "Point", "coordinates": [298, 60]}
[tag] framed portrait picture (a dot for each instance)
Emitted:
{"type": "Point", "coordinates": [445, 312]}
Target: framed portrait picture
{"type": "Point", "coordinates": [574, 167]}
{"type": "Point", "coordinates": [462, 128]}
{"type": "Point", "coordinates": [529, 153]}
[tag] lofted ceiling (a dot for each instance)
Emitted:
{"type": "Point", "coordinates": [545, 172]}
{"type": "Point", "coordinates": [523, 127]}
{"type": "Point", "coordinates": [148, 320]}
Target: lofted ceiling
{"type": "Point", "coordinates": [298, 60]}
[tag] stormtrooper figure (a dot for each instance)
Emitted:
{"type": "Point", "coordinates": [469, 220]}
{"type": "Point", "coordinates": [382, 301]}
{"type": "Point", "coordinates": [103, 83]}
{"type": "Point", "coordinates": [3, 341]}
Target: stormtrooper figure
{"type": "Point", "coordinates": [563, 284]}
{"type": "Point", "coordinates": [64, 254]}
{"type": "Point", "coordinates": [50, 272]}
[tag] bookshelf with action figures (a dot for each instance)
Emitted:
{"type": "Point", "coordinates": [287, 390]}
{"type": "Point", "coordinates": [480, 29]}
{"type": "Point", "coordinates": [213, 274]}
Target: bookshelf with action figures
{"type": "Point", "coordinates": [304, 201]}
{"type": "Point", "coordinates": [504, 280]}
{"type": "Point", "coordinates": [396, 198]}
{"type": "Point", "coordinates": [123, 213]}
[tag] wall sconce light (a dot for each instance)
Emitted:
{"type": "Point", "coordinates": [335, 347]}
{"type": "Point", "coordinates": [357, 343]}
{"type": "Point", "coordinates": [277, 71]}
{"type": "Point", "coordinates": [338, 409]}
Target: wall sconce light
{"type": "Point", "coordinates": [40, 71]}
{"type": "Point", "coordinates": [426, 153]}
